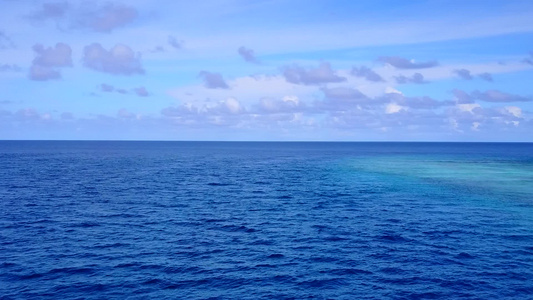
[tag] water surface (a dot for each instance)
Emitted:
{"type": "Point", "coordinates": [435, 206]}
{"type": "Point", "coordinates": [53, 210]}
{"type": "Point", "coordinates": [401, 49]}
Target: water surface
{"type": "Point", "coordinates": [209, 220]}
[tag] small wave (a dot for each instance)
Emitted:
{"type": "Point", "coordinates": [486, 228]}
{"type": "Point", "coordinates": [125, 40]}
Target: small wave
{"type": "Point", "coordinates": [72, 270]}
{"type": "Point", "coordinates": [236, 228]}
{"type": "Point", "coordinates": [329, 283]}
{"type": "Point", "coordinates": [127, 265]}
{"type": "Point", "coordinates": [396, 238]}
{"type": "Point", "coordinates": [265, 266]}
{"type": "Point", "coordinates": [218, 184]}
{"type": "Point", "coordinates": [28, 276]}
{"type": "Point", "coordinates": [85, 224]}
{"type": "Point", "coordinates": [347, 271]}
{"type": "Point", "coordinates": [113, 245]}
{"type": "Point", "coordinates": [464, 255]}
{"type": "Point", "coordinates": [335, 239]}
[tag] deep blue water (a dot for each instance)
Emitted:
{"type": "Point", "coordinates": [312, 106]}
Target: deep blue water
{"type": "Point", "coordinates": [209, 220]}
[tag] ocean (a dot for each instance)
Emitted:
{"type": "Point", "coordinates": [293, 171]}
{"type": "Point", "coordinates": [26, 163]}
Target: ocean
{"type": "Point", "coordinates": [262, 220]}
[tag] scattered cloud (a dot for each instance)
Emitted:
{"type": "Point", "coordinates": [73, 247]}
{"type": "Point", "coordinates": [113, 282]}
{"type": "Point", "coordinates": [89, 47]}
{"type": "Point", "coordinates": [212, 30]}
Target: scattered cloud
{"type": "Point", "coordinates": [467, 75]}
{"type": "Point", "coordinates": [5, 41]}
{"type": "Point", "coordinates": [119, 60]}
{"type": "Point", "coordinates": [98, 18]}
{"type": "Point", "coordinates": [322, 74]}
{"type": "Point", "coordinates": [463, 74]}
{"type": "Point", "coordinates": [125, 114]}
{"type": "Point", "coordinates": [105, 18]}
{"type": "Point", "coordinates": [486, 76]}
{"type": "Point", "coordinates": [343, 93]}
{"type": "Point", "coordinates": [67, 116]}
{"type": "Point", "coordinates": [45, 65]}
{"type": "Point", "coordinates": [513, 110]}
{"type": "Point", "coordinates": [213, 80]}
{"type": "Point", "coordinates": [248, 55]}
{"type": "Point", "coordinates": [228, 112]}
{"type": "Point", "coordinates": [40, 73]}
{"type": "Point", "coordinates": [50, 11]}
{"type": "Point", "coordinates": [107, 88]}
{"type": "Point", "coordinates": [403, 63]}
{"type": "Point", "coordinates": [415, 78]}
{"type": "Point", "coordinates": [287, 104]}
{"type": "Point", "coordinates": [529, 60]}
{"type": "Point", "coordinates": [157, 49]}
{"type": "Point", "coordinates": [366, 73]}
{"type": "Point", "coordinates": [141, 91]}
{"type": "Point", "coordinates": [172, 41]}
{"type": "Point", "coordinates": [343, 99]}
{"type": "Point", "coordinates": [488, 96]}
{"type": "Point", "coordinates": [393, 108]}
{"type": "Point", "coordinates": [416, 102]}
{"type": "Point", "coordinates": [9, 68]}
{"type": "Point", "coordinates": [498, 96]}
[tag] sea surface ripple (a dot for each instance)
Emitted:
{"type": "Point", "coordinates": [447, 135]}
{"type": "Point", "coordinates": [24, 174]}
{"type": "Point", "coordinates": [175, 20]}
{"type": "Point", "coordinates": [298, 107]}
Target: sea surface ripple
{"type": "Point", "coordinates": [210, 220]}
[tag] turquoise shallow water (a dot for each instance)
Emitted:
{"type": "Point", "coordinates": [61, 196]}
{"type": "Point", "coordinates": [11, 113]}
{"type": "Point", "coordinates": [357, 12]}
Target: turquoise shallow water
{"type": "Point", "coordinates": [500, 177]}
{"type": "Point", "coordinates": [208, 220]}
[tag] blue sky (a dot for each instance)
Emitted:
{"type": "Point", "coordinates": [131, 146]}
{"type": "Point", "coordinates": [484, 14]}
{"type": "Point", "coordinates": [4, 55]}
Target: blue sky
{"type": "Point", "coordinates": [267, 70]}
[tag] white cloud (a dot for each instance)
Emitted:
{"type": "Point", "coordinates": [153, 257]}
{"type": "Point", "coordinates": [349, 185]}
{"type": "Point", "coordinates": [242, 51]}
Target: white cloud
{"type": "Point", "coordinates": [514, 110]}
{"type": "Point", "coordinates": [393, 108]}
{"type": "Point", "coordinates": [468, 107]}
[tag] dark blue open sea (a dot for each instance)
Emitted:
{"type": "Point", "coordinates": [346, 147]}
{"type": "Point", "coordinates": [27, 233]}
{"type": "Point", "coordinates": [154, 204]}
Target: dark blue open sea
{"type": "Point", "coordinates": [216, 220]}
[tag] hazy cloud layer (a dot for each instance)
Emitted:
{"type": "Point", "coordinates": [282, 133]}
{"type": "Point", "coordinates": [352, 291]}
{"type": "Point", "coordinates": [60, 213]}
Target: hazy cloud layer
{"type": "Point", "coordinates": [213, 80]}
{"type": "Point", "coordinates": [48, 60]}
{"type": "Point", "coordinates": [366, 73]}
{"type": "Point", "coordinates": [322, 74]}
{"type": "Point", "coordinates": [403, 63]}
{"type": "Point", "coordinates": [119, 60]}
{"type": "Point", "coordinates": [248, 55]}
{"type": "Point", "coordinates": [415, 78]}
